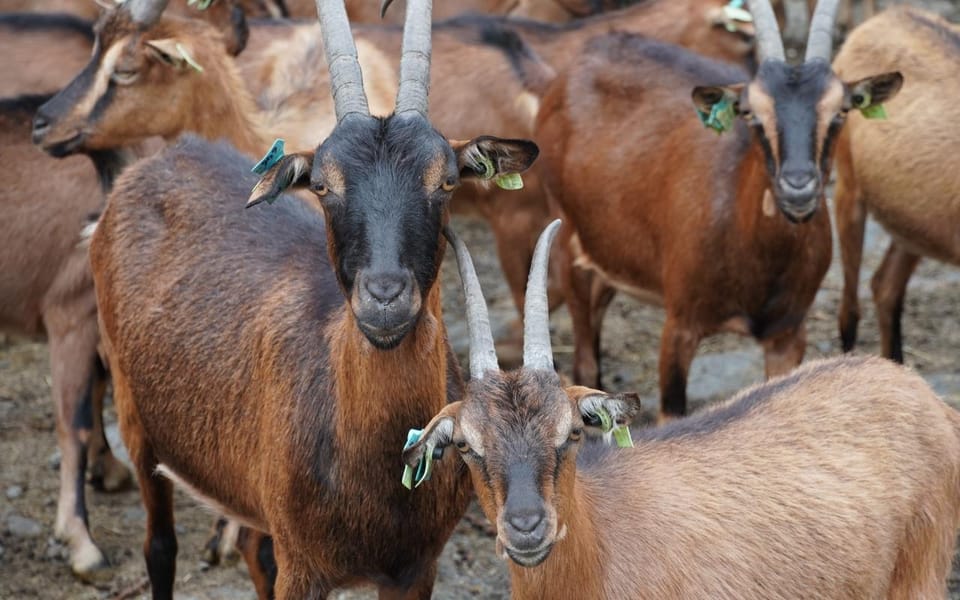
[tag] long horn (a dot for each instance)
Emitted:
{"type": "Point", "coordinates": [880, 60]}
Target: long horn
{"type": "Point", "coordinates": [483, 356]}
{"type": "Point", "coordinates": [346, 80]}
{"type": "Point", "coordinates": [415, 57]}
{"type": "Point", "coordinates": [145, 12]}
{"type": "Point", "coordinates": [769, 42]}
{"type": "Point", "coordinates": [536, 312]}
{"type": "Point", "coordinates": [820, 40]}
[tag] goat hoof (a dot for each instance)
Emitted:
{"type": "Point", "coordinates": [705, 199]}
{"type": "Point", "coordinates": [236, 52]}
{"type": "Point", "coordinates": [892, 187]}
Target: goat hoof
{"type": "Point", "coordinates": [90, 565]}
{"type": "Point", "coordinates": [111, 475]}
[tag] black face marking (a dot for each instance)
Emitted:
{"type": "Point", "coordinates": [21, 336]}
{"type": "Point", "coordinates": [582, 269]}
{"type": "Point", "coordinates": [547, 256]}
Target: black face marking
{"type": "Point", "coordinates": [385, 228]}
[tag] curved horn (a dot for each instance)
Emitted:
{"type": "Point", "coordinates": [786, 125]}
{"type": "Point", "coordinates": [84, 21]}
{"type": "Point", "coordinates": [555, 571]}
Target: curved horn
{"type": "Point", "coordinates": [346, 80]}
{"type": "Point", "coordinates": [820, 40]}
{"type": "Point", "coordinates": [536, 312]}
{"type": "Point", "coordinates": [415, 57]}
{"type": "Point", "coordinates": [145, 12]}
{"type": "Point", "coordinates": [483, 356]}
{"type": "Point", "coordinates": [769, 42]}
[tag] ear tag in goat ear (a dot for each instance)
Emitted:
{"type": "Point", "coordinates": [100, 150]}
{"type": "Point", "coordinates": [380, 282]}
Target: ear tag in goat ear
{"type": "Point", "coordinates": [874, 111]}
{"type": "Point", "coordinates": [510, 181]}
{"type": "Point", "coordinates": [185, 55]}
{"type": "Point", "coordinates": [734, 11]}
{"type": "Point", "coordinates": [413, 477]}
{"type": "Point", "coordinates": [621, 433]}
{"type": "Point", "coordinates": [720, 118]}
{"type": "Point", "coordinates": [272, 157]}
{"type": "Point", "coordinates": [488, 170]}
{"type": "Point", "coordinates": [200, 4]}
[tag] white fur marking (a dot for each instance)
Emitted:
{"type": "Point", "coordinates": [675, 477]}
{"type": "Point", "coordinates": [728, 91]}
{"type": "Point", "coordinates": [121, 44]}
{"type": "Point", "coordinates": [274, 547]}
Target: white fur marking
{"type": "Point", "coordinates": [472, 436]}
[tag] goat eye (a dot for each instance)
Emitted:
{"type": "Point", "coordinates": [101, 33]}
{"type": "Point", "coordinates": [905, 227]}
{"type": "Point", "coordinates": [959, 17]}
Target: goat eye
{"type": "Point", "coordinates": [449, 184]}
{"type": "Point", "coordinates": [462, 446]}
{"type": "Point", "coordinates": [124, 77]}
{"type": "Point", "coordinates": [319, 189]}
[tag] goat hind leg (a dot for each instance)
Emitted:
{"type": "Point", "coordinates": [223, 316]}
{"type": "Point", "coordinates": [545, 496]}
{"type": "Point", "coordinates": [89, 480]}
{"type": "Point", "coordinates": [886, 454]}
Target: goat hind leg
{"type": "Point", "coordinates": [256, 548]}
{"type": "Point", "coordinates": [782, 353]}
{"type": "Point", "coordinates": [678, 344]}
{"type": "Point", "coordinates": [889, 290]}
{"type": "Point", "coordinates": [107, 473]}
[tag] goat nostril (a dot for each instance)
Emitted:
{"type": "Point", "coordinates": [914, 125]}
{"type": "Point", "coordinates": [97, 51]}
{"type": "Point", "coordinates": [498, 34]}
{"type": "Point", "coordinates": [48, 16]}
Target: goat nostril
{"type": "Point", "coordinates": [526, 522]}
{"type": "Point", "coordinates": [40, 123]}
{"type": "Point", "coordinates": [385, 289]}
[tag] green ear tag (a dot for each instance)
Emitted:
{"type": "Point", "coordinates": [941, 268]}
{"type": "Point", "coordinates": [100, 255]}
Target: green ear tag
{"type": "Point", "coordinates": [720, 118]}
{"type": "Point", "coordinates": [510, 181]}
{"type": "Point", "coordinates": [272, 157]}
{"type": "Point", "coordinates": [488, 170]}
{"type": "Point", "coordinates": [413, 477]}
{"type": "Point", "coordinates": [874, 111]}
{"type": "Point", "coordinates": [621, 433]}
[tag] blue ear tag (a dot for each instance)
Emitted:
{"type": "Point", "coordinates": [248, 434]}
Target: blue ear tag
{"type": "Point", "coordinates": [621, 433]}
{"type": "Point", "coordinates": [414, 477]}
{"type": "Point", "coordinates": [272, 157]}
{"type": "Point", "coordinates": [720, 118]}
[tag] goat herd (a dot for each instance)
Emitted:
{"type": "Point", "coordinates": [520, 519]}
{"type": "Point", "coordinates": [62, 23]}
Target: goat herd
{"type": "Point", "coordinates": [273, 336]}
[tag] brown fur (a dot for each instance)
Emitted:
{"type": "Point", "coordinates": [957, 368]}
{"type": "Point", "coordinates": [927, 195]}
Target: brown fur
{"type": "Point", "coordinates": [667, 219]}
{"type": "Point", "coordinates": [905, 171]}
{"type": "Point", "coordinates": [47, 289]}
{"type": "Point", "coordinates": [43, 53]}
{"type": "Point", "coordinates": [838, 481]}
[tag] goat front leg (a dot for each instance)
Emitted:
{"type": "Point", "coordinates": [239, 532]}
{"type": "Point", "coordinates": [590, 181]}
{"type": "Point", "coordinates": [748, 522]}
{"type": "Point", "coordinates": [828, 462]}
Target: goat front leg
{"type": "Point", "coordinates": [889, 290]}
{"type": "Point", "coordinates": [851, 221]}
{"type": "Point", "coordinates": [421, 589]}
{"type": "Point", "coordinates": [73, 363]}
{"type": "Point", "coordinates": [678, 345]}
{"type": "Point", "coordinates": [783, 352]}
{"type": "Point", "coordinates": [256, 548]}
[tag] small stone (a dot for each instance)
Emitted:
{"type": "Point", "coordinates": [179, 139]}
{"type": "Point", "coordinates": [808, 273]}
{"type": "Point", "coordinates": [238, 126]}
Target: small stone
{"type": "Point", "coordinates": [54, 461]}
{"type": "Point", "coordinates": [14, 492]}
{"type": "Point", "coordinates": [23, 527]}
{"type": "Point", "coordinates": [1, 550]}
{"type": "Point", "coordinates": [56, 550]}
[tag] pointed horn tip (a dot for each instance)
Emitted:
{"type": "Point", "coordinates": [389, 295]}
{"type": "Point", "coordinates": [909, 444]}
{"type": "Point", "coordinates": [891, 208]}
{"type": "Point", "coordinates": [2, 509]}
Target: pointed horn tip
{"type": "Point", "coordinates": [384, 6]}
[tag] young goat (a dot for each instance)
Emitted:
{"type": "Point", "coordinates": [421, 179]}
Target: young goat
{"type": "Point", "coordinates": [838, 481]}
{"type": "Point", "coordinates": [268, 366]}
{"type": "Point", "coordinates": [675, 214]}
{"type": "Point", "coordinates": [905, 171]}
{"type": "Point", "coordinates": [46, 288]}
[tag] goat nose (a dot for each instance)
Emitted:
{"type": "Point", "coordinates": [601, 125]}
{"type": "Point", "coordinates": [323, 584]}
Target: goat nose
{"type": "Point", "coordinates": [797, 180]}
{"type": "Point", "coordinates": [526, 521]}
{"type": "Point", "coordinates": [385, 288]}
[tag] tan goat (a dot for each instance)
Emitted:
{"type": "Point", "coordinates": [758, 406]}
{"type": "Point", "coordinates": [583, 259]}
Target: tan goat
{"type": "Point", "coordinates": [905, 170]}
{"type": "Point", "coordinates": [838, 481]}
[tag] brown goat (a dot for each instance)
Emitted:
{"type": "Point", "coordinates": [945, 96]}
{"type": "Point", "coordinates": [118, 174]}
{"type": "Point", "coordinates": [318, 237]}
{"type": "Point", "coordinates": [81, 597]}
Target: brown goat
{"type": "Point", "coordinates": [838, 481]}
{"type": "Point", "coordinates": [47, 289]}
{"type": "Point", "coordinates": [267, 375]}
{"type": "Point", "coordinates": [673, 213]}
{"type": "Point", "coordinates": [507, 57]}
{"type": "Point", "coordinates": [904, 171]}
{"type": "Point", "coordinates": [41, 52]}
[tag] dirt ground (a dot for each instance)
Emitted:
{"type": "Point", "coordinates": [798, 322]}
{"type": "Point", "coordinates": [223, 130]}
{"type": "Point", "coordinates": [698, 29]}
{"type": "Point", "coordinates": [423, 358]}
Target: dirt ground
{"type": "Point", "coordinates": [33, 565]}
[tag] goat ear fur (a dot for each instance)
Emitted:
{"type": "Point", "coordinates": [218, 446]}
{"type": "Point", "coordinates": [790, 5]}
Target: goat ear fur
{"type": "Point", "coordinates": [488, 157]}
{"type": "Point", "coordinates": [437, 434]}
{"type": "Point", "coordinates": [173, 52]}
{"type": "Point", "coordinates": [290, 172]}
{"type": "Point", "coordinates": [622, 408]}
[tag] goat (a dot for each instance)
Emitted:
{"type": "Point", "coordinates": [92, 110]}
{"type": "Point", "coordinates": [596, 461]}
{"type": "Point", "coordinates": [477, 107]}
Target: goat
{"type": "Point", "coordinates": [838, 481]}
{"type": "Point", "coordinates": [47, 289]}
{"type": "Point", "coordinates": [42, 51]}
{"type": "Point", "coordinates": [903, 171]}
{"type": "Point", "coordinates": [676, 214]}
{"type": "Point", "coordinates": [267, 375]}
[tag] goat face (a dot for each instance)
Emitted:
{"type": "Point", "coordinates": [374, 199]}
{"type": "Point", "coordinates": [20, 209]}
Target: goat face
{"type": "Point", "coordinates": [135, 85]}
{"type": "Point", "coordinates": [384, 185]}
{"type": "Point", "coordinates": [796, 112]}
{"type": "Point", "coordinates": [519, 433]}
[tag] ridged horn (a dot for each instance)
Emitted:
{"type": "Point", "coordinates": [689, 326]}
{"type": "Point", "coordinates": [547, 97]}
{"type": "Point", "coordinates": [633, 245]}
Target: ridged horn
{"type": "Point", "coordinates": [483, 355]}
{"type": "Point", "coordinates": [145, 12]}
{"type": "Point", "coordinates": [820, 40]}
{"type": "Point", "coordinates": [346, 80]}
{"type": "Point", "coordinates": [767, 32]}
{"type": "Point", "coordinates": [414, 88]}
{"type": "Point", "coordinates": [537, 353]}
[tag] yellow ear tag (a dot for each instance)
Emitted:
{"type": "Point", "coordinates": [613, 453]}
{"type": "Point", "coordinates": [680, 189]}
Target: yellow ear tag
{"type": "Point", "coordinates": [187, 58]}
{"type": "Point", "coordinates": [510, 181]}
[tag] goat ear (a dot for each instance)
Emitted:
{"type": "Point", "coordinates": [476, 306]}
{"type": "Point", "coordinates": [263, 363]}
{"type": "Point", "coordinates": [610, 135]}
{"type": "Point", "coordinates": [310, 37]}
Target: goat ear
{"type": "Point", "coordinates": [606, 415]}
{"type": "Point", "coordinates": [173, 52]}
{"type": "Point", "coordinates": [290, 172]}
{"type": "Point", "coordinates": [423, 446]}
{"type": "Point", "coordinates": [717, 105]}
{"type": "Point", "coordinates": [868, 95]}
{"type": "Point", "coordinates": [501, 160]}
